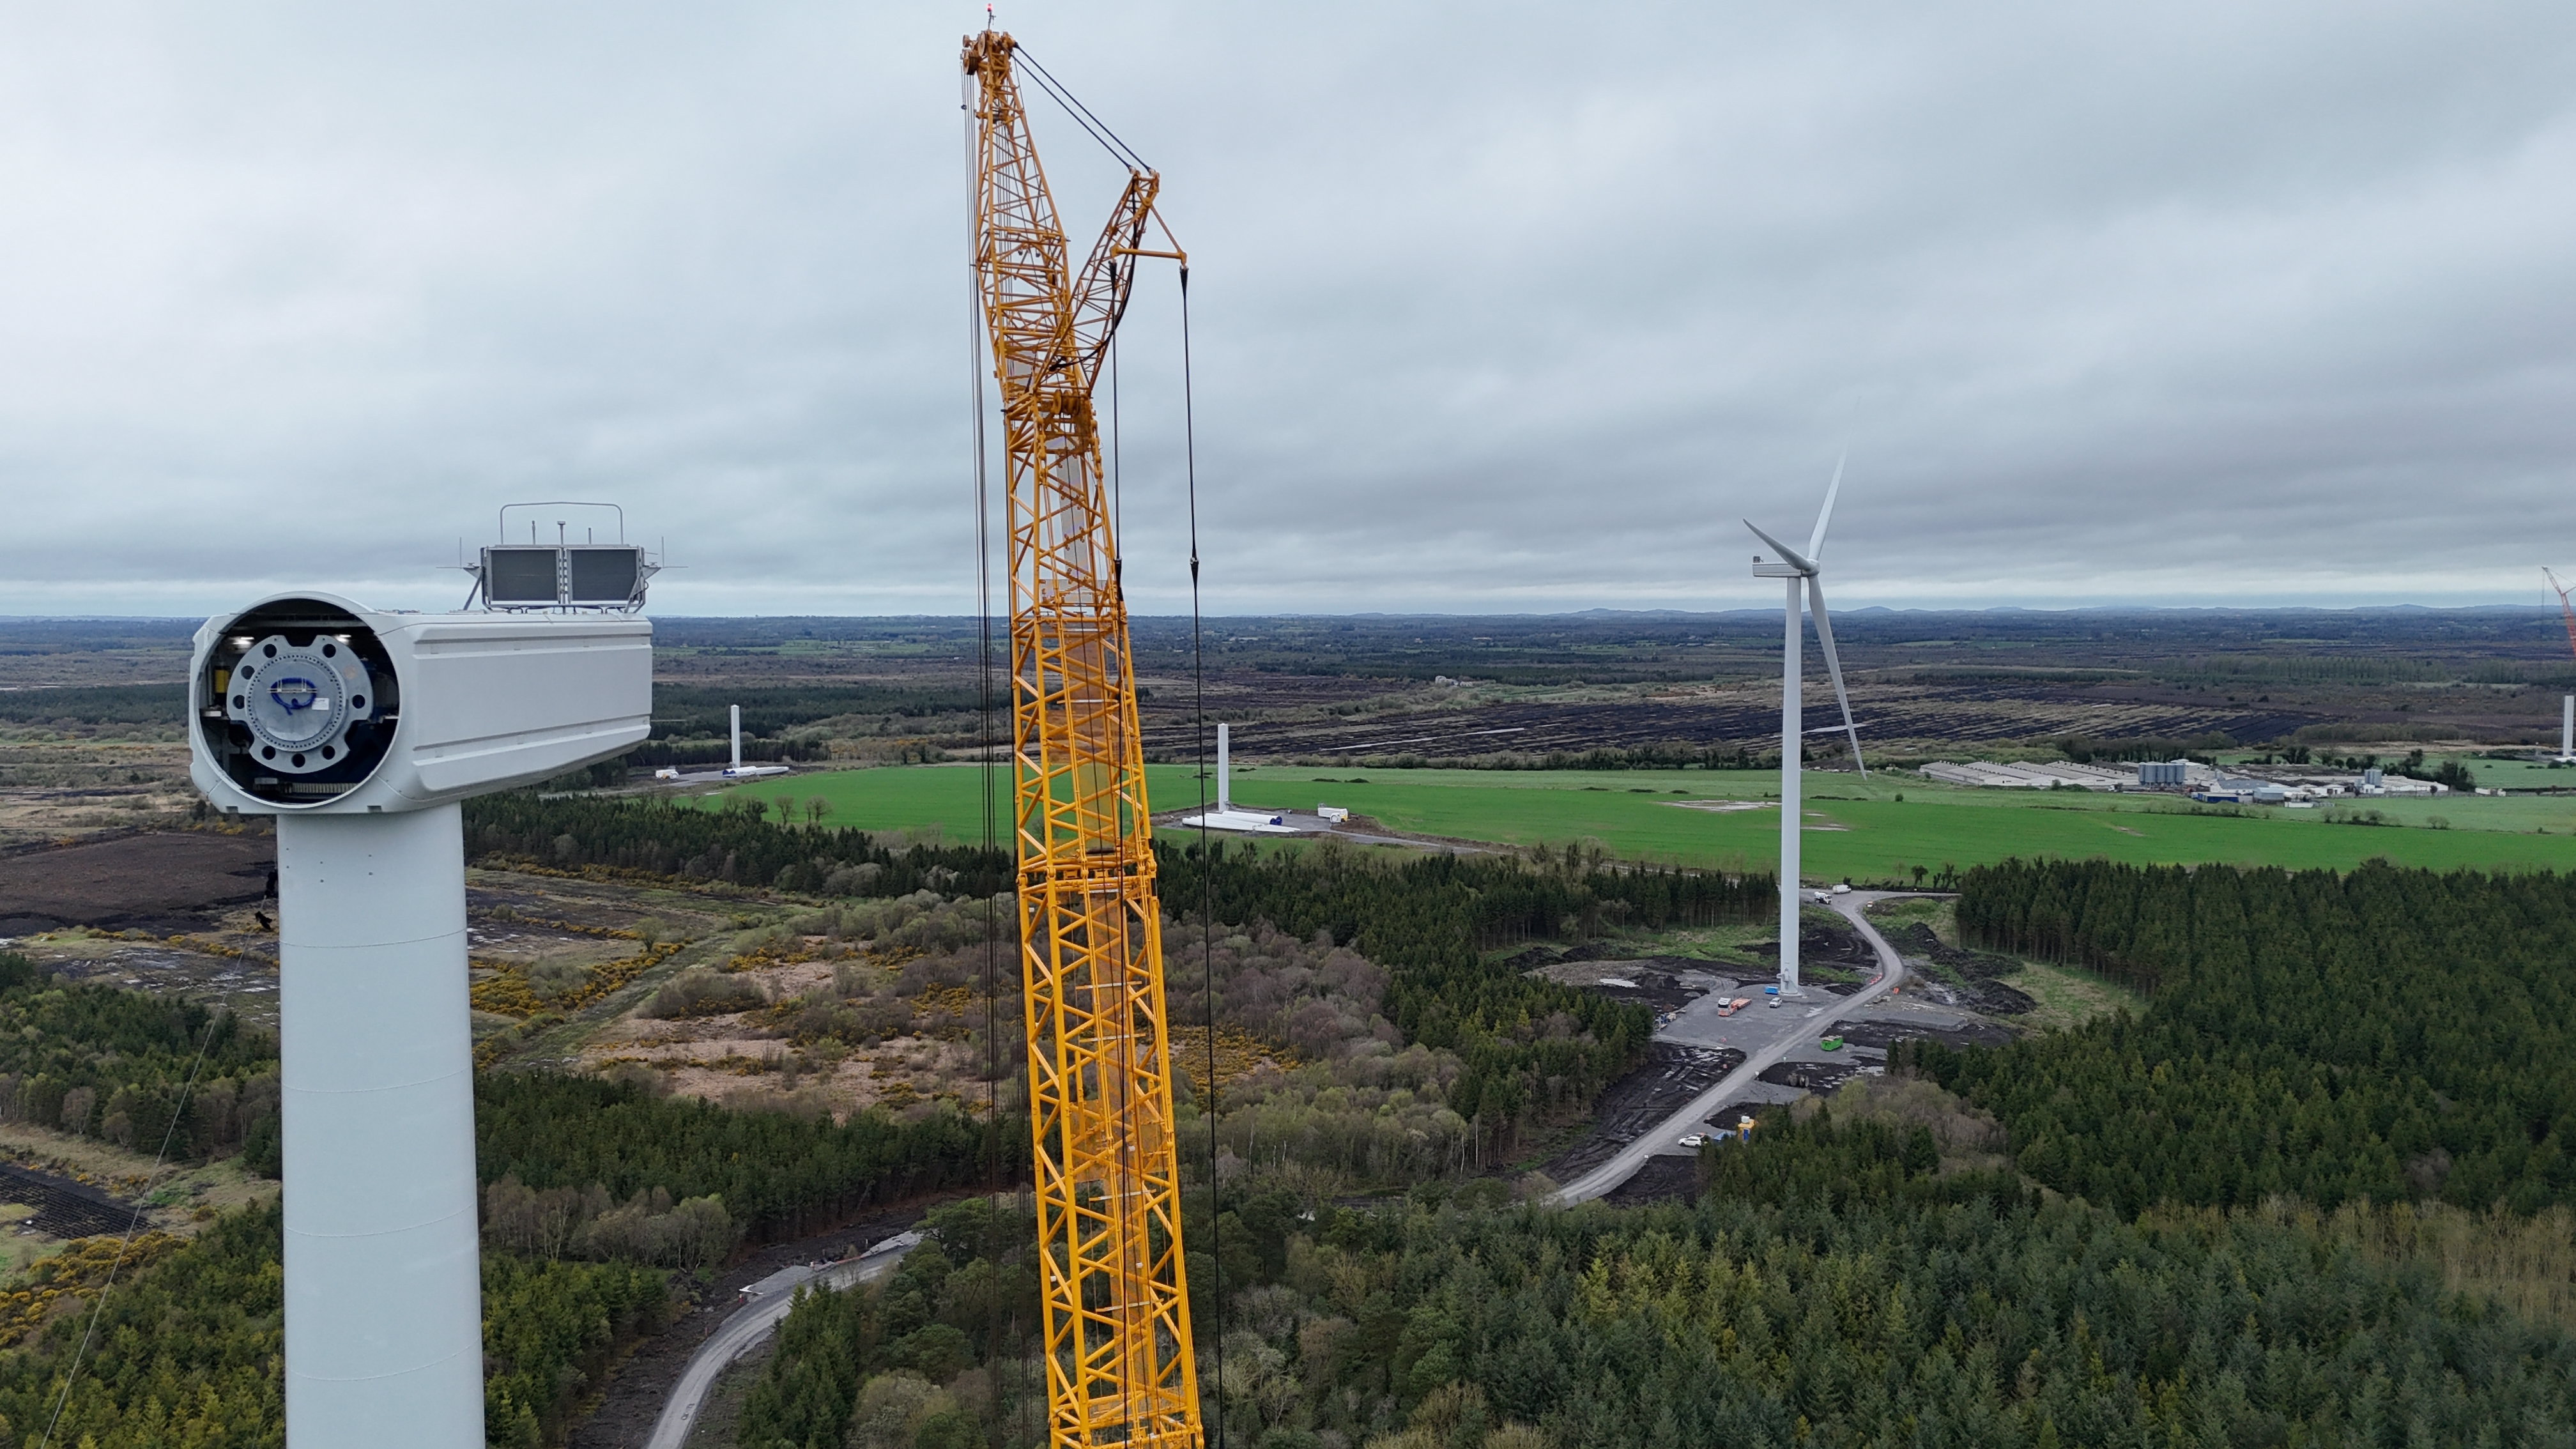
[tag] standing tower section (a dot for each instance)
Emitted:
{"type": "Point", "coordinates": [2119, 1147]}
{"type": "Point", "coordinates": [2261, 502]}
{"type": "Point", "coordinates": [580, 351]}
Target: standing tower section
{"type": "Point", "coordinates": [361, 731]}
{"type": "Point", "coordinates": [1120, 1369]}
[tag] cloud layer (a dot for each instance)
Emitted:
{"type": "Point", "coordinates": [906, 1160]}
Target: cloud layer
{"type": "Point", "coordinates": [1494, 308]}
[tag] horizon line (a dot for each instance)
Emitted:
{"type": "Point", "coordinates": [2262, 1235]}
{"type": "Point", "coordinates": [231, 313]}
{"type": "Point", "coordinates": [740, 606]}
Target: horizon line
{"type": "Point", "coordinates": [1755, 612]}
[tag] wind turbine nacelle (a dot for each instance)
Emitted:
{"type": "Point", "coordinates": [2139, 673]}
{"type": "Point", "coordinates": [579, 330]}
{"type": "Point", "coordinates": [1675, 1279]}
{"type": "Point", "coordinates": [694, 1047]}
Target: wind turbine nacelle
{"type": "Point", "coordinates": [310, 704]}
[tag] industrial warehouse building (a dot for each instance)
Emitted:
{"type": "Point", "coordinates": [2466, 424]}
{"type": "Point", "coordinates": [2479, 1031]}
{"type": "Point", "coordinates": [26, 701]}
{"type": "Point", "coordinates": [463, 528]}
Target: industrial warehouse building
{"type": "Point", "coordinates": [2028, 777]}
{"type": "Point", "coordinates": [2272, 786]}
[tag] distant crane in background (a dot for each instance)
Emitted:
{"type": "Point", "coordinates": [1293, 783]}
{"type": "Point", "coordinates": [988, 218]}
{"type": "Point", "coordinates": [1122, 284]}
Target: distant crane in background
{"type": "Point", "coordinates": [2566, 705]}
{"type": "Point", "coordinates": [1119, 1362]}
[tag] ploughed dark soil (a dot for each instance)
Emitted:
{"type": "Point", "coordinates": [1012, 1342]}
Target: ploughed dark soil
{"type": "Point", "coordinates": [1613, 951]}
{"type": "Point", "coordinates": [1917, 710]}
{"type": "Point", "coordinates": [1879, 1032]}
{"type": "Point", "coordinates": [1657, 983]}
{"type": "Point", "coordinates": [1990, 997]}
{"type": "Point", "coordinates": [1638, 1101]}
{"type": "Point", "coordinates": [525, 899]}
{"type": "Point", "coordinates": [1659, 989]}
{"type": "Point", "coordinates": [64, 1208]}
{"type": "Point", "coordinates": [638, 1388]}
{"type": "Point", "coordinates": [1914, 938]}
{"type": "Point", "coordinates": [1662, 1179]}
{"type": "Point", "coordinates": [1734, 1112]}
{"type": "Point", "coordinates": [1823, 945]}
{"type": "Point", "coordinates": [1821, 1078]}
{"type": "Point", "coordinates": [1962, 978]}
{"type": "Point", "coordinates": [164, 883]}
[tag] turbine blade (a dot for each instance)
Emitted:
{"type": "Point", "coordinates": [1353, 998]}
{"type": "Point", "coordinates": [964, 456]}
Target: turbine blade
{"type": "Point", "coordinates": [1787, 554]}
{"type": "Point", "coordinates": [1816, 540]}
{"type": "Point", "coordinates": [1834, 666]}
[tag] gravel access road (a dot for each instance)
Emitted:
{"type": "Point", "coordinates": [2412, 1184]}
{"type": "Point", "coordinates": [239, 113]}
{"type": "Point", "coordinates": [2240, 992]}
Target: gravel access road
{"type": "Point", "coordinates": [1793, 1026]}
{"type": "Point", "coordinates": [771, 1297]}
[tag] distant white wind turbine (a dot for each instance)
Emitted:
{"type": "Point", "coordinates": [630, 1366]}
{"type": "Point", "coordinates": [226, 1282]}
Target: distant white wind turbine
{"type": "Point", "coordinates": [1793, 567]}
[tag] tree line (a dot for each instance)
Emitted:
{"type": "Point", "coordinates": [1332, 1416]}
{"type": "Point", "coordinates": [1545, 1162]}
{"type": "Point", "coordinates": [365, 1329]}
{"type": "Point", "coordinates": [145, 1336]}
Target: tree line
{"type": "Point", "coordinates": [601, 1199]}
{"type": "Point", "coordinates": [1528, 1043]}
{"type": "Point", "coordinates": [778, 1175]}
{"type": "Point", "coordinates": [669, 838]}
{"type": "Point", "coordinates": [1671, 755]}
{"type": "Point", "coordinates": [657, 753]}
{"type": "Point", "coordinates": [190, 1350]}
{"type": "Point", "coordinates": [159, 705]}
{"type": "Point", "coordinates": [705, 711]}
{"type": "Point", "coordinates": [100, 1061]}
{"type": "Point", "coordinates": [881, 1367]}
{"type": "Point", "coordinates": [2380, 1035]}
{"type": "Point", "coordinates": [1835, 1286]}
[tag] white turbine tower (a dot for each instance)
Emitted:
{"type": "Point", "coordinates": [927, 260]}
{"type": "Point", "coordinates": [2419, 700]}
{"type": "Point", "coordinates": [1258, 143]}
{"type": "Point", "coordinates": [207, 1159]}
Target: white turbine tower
{"type": "Point", "coordinates": [361, 731]}
{"type": "Point", "coordinates": [1794, 568]}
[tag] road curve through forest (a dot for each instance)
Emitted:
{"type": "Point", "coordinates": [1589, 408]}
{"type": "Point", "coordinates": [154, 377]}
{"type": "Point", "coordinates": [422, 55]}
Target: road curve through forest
{"type": "Point", "coordinates": [754, 1322]}
{"type": "Point", "coordinates": [1668, 1133]}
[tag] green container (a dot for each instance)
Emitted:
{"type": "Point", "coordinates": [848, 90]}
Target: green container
{"type": "Point", "coordinates": [1831, 1043]}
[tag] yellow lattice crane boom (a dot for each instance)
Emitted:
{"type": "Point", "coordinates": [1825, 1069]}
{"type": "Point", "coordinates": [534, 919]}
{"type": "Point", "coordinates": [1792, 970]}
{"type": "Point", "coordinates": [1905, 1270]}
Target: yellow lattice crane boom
{"type": "Point", "coordinates": [1120, 1368]}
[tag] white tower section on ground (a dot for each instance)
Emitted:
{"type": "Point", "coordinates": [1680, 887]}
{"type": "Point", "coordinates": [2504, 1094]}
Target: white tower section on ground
{"type": "Point", "coordinates": [737, 735]}
{"type": "Point", "coordinates": [1224, 772]}
{"type": "Point", "coordinates": [2567, 730]}
{"type": "Point", "coordinates": [360, 731]}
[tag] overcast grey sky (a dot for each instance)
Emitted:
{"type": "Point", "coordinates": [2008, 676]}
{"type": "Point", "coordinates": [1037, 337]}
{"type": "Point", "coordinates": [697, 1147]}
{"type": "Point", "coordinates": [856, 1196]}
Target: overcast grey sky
{"type": "Point", "coordinates": [1496, 307]}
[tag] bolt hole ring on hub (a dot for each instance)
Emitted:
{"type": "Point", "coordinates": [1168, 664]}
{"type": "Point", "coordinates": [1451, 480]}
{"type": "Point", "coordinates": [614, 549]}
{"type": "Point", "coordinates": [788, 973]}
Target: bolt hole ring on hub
{"type": "Point", "coordinates": [298, 703]}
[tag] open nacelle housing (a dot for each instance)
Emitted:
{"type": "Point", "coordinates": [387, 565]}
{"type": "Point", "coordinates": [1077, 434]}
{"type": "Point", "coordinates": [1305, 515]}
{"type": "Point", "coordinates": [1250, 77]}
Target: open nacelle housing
{"type": "Point", "coordinates": [307, 702]}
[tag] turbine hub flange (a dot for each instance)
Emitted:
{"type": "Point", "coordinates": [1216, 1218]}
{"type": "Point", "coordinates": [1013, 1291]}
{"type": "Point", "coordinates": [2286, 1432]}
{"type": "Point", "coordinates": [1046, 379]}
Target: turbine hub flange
{"type": "Point", "coordinates": [298, 701]}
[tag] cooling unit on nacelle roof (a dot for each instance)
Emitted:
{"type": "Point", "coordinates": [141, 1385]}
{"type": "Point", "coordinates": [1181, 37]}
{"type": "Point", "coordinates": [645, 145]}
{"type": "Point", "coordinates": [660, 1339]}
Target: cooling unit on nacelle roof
{"type": "Point", "coordinates": [561, 573]}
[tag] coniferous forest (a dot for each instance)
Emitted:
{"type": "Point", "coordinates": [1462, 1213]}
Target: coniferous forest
{"type": "Point", "coordinates": [2310, 1192]}
{"type": "Point", "coordinates": [597, 1195]}
{"type": "Point", "coordinates": [2384, 1035]}
{"type": "Point", "coordinates": [1838, 1284]}
{"type": "Point", "coordinates": [2280, 1205]}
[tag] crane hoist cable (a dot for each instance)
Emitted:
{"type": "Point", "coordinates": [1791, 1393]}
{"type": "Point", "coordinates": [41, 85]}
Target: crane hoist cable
{"type": "Point", "coordinates": [1099, 130]}
{"type": "Point", "coordinates": [982, 490]}
{"type": "Point", "coordinates": [1207, 853]}
{"type": "Point", "coordinates": [1115, 1312]}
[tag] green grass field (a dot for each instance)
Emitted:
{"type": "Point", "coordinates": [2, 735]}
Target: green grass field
{"type": "Point", "coordinates": [2523, 775]}
{"type": "Point", "coordinates": [1855, 828]}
